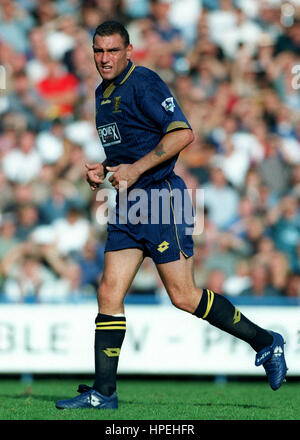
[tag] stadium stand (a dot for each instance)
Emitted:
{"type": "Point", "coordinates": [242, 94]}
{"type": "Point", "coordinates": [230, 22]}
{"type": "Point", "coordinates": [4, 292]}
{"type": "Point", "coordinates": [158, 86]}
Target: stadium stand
{"type": "Point", "coordinates": [234, 67]}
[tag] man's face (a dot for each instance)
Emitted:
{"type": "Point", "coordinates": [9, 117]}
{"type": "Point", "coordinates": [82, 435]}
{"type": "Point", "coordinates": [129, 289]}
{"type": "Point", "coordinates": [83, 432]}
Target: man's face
{"type": "Point", "coordinates": [110, 55]}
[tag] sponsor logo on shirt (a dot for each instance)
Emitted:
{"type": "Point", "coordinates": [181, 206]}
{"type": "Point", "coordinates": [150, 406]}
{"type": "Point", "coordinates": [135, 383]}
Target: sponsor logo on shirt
{"type": "Point", "coordinates": [109, 134]}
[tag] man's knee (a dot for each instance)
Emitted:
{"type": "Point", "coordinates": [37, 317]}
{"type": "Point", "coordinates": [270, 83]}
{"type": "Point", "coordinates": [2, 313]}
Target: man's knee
{"type": "Point", "coordinates": [185, 298]}
{"type": "Point", "coordinates": [179, 298]}
{"type": "Point", "coordinates": [108, 295]}
{"type": "Point", "coordinates": [103, 290]}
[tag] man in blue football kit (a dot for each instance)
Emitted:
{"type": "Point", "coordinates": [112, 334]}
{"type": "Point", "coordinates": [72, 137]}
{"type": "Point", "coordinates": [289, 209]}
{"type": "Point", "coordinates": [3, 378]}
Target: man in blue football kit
{"type": "Point", "coordinates": [143, 130]}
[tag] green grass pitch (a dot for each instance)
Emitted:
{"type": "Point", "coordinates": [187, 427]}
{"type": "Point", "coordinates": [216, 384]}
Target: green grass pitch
{"type": "Point", "coordinates": [166, 399]}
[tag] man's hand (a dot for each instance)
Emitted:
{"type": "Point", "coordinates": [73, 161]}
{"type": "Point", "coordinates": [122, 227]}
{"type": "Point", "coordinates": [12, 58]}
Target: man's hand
{"type": "Point", "coordinates": [124, 176]}
{"type": "Point", "coordinates": [95, 174]}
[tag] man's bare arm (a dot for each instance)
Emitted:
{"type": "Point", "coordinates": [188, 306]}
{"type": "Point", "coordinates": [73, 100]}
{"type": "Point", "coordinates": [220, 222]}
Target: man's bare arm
{"type": "Point", "coordinates": [170, 145]}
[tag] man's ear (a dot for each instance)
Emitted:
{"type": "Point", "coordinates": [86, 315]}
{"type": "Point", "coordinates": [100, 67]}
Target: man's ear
{"type": "Point", "coordinates": [129, 51]}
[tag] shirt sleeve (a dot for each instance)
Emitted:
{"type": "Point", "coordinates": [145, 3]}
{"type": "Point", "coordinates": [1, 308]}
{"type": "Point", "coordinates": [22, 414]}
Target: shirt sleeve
{"type": "Point", "coordinates": [159, 105]}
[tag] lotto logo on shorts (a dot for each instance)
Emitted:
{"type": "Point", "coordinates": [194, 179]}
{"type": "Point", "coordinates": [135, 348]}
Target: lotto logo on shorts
{"type": "Point", "coordinates": [163, 246]}
{"type": "Point", "coordinates": [109, 134]}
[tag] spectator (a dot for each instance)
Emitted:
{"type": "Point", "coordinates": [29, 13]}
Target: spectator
{"type": "Point", "coordinates": [265, 250]}
{"type": "Point", "coordinates": [295, 262]}
{"type": "Point", "coordinates": [91, 261]}
{"type": "Point", "coordinates": [23, 164]}
{"type": "Point", "coordinates": [235, 163]}
{"type": "Point", "coordinates": [289, 41]}
{"type": "Point", "coordinates": [295, 181]}
{"type": "Point", "coordinates": [222, 20]}
{"type": "Point", "coordinates": [293, 285]}
{"type": "Point", "coordinates": [59, 91]}
{"type": "Point", "coordinates": [238, 94]}
{"type": "Point", "coordinates": [254, 232]}
{"type": "Point", "coordinates": [45, 13]}
{"type": "Point", "coordinates": [220, 199]}
{"type": "Point", "coordinates": [56, 205]}
{"type": "Point", "coordinates": [280, 270]}
{"type": "Point", "coordinates": [146, 281]}
{"type": "Point", "coordinates": [225, 254]}
{"type": "Point", "coordinates": [244, 31]}
{"type": "Point", "coordinates": [281, 75]}
{"type": "Point", "coordinates": [215, 280]}
{"type": "Point", "coordinates": [239, 224]}
{"type": "Point", "coordinates": [50, 143]}
{"type": "Point", "coordinates": [25, 100]}
{"type": "Point", "coordinates": [169, 34]}
{"type": "Point", "coordinates": [27, 220]}
{"type": "Point", "coordinates": [38, 55]}
{"type": "Point", "coordinates": [8, 239]}
{"type": "Point", "coordinates": [26, 277]}
{"type": "Point", "coordinates": [71, 233]}
{"type": "Point", "coordinates": [273, 166]}
{"type": "Point", "coordinates": [285, 226]}
{"type": "Point", "coordinates": [6, 193]}
{"type": "Point", "coordinates": [260, 283]}
{"type": "Point", "coordinates": [14, 25]}
{"type": "Point", "coordinates": [240, 280]}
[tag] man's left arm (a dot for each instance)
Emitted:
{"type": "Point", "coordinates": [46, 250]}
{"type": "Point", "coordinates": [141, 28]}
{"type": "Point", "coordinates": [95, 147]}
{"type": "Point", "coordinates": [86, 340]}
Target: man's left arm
{"type": "Point", "coordinates": [170, 145]}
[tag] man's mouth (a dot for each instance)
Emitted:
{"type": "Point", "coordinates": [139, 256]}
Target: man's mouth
{"type": "Point", "coordinates": [106, 68]}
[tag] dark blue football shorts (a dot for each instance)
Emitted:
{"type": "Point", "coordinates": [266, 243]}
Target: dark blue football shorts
{"type": "Point", "coordinates": [158, 220]}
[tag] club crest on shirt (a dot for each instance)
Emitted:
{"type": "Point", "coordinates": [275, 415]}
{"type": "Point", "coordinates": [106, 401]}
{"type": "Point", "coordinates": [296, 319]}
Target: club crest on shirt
{"type": "Point", "coordinates": [116, 104]}
{"type": "Point", "coordinates": [168, 104]}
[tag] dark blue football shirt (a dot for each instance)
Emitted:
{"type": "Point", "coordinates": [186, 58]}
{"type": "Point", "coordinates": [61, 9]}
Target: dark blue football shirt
{"type": "Point", "coordinates": [132, 115]}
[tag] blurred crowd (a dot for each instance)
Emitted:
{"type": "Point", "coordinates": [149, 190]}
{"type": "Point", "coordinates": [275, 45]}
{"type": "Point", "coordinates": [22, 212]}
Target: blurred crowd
{"type": "Point", "coordinates": [234, 67]}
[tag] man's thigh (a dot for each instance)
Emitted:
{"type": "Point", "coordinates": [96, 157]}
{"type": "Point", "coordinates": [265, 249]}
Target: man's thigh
{"type": "Point", "coordinates": [120, 268]}
{"type": "Point", "coordinates": [178, 279]}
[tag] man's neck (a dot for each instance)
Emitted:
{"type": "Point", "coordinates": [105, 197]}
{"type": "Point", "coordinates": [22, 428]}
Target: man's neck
{"type": "Point", "coordinates": [106, 83]}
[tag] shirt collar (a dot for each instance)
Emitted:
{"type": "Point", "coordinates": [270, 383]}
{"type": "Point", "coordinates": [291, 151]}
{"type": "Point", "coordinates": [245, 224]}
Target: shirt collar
{"type": "Point", "coordinates": [107, 89]}
{"type": "Point", "coordinates": [125, 74]}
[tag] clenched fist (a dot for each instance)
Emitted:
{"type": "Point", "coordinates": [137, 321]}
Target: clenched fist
{"type": "Point", "coordinates": [95, 174]}
{"type": "Point", "coordinates": [124, 176]}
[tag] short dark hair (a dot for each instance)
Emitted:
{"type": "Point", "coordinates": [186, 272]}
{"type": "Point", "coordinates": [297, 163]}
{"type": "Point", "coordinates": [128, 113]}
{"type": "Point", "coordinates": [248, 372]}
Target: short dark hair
{"type": "Point", "coordinates": [112, 27]}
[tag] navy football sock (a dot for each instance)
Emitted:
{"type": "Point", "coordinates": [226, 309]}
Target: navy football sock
{"type": "Point", "coordinates": [109, 336]}
{"type": "Point", "coordinates": [219, 312]}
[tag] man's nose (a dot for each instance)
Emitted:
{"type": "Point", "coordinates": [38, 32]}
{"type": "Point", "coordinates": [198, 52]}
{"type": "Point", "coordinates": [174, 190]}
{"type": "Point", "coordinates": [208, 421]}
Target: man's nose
{"type": "Point", "coordinates": [105, 57]}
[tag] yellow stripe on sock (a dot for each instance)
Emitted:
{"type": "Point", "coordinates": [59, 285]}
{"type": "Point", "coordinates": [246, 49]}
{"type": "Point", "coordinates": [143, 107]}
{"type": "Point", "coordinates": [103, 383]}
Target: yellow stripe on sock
{"type": "Point", "coordinates": [210, 301]}
{"type": "Point", "coordinates": [110, 322]}
{"type": "Point", "coordinates": [112, 328]}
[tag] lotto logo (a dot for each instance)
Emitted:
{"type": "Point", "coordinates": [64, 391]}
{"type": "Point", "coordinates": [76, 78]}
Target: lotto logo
{"type": "Point", "coordinates": [163, 246]}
